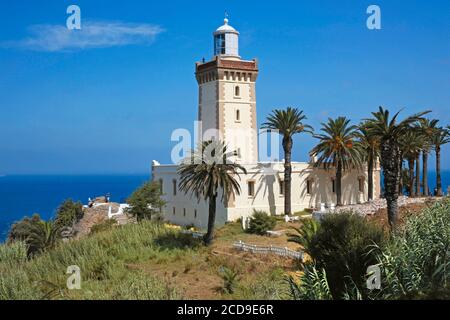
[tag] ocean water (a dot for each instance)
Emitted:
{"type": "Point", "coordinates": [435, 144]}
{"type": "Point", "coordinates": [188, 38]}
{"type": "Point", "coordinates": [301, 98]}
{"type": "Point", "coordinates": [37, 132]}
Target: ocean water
{"type": "Point", "coordinates": [25, 195]}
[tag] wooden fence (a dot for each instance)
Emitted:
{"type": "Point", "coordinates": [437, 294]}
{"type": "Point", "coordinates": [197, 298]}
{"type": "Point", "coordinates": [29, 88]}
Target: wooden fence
{"type": "Point", "coordinates": [284, 252]}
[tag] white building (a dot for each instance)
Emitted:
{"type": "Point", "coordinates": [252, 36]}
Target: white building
{"type": "Point", "coordinates": [227, 110]}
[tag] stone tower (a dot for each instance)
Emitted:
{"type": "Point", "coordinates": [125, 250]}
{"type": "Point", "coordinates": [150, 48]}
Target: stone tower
{"type": "Point", "coordinates": [227, 96]}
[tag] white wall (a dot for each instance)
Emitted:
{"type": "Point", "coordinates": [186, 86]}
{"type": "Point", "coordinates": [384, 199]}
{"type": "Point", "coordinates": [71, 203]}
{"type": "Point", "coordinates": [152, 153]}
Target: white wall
{"type": "Point", "coordinates": [267, 193]}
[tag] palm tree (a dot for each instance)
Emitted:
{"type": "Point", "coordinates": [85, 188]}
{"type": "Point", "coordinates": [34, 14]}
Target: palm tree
{"type": "Point", "coordinates": [339, 148]}
{"type": "Point", "coordinates": [411, 144]}
{"type": "Point", "coordinates": [371, 149]}
{"type": "Point", "coordinates": [441, 137]}
{"type": "Point", "coordinates": [389, 130]}
{"type": "Point", "coordinates": [288, 123]}
{"type": "Point", "coordinates": [205, 172]}
{"type": "Point", "coordinates": [428, 128]}
{"type": "Point", "coordinates": [42, 236]}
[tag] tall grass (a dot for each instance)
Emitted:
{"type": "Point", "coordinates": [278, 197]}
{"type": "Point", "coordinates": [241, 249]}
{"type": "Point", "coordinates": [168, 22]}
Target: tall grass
{"type": "Point", "coordinates": [416, 262]}
{"type": "Point", "coordinates": [103, 259]}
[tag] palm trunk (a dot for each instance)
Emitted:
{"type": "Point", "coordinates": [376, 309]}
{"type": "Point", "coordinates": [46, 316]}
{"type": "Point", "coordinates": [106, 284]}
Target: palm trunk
{"type": "Point", "coordinates": [425, 173]}
{"type": "Point", "coordinates": [438, 171]}
{"type": "Point", "coordinates": [287, 145]}
{"type": "Point", "coordinates": [208, 238]}
{"type": "Point", "coordinates": [418, 191]}
{"type": "Point", "coordinates": [370, 178]}
{"type": "Point", "coordinates": [411, 176]}
{"type": "Point", "coordinates": [390, 162]}
{"type": "Point", "coordinates": [400, 170]}
{"type": "Point", "coordinates": [339, 184]}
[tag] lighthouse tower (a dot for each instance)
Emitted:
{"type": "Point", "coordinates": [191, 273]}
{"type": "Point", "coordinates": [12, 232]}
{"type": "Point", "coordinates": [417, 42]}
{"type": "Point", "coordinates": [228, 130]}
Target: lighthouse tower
{"type": "Point", "coordinates": [227, 96]}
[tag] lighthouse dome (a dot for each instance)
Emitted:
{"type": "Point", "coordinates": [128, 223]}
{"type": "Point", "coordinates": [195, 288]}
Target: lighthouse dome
{"type": "Point", "coordinates": [226, 41]}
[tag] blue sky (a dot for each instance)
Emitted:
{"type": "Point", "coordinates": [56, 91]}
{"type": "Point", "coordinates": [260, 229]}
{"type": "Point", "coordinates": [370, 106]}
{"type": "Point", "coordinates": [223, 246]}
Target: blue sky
{"type": "Point", "coordinates": [108, 102]}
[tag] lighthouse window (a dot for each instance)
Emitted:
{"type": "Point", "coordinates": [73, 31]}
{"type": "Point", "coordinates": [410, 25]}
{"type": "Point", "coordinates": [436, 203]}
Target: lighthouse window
{"type": "Point", "coordinates": [219, 44]}
{"type": "Point", "coordinates": [237, 91]}
{"type": "Point", "coordinates": [238, 115]}
{"type": "Point", "coordinates": [174, 187]}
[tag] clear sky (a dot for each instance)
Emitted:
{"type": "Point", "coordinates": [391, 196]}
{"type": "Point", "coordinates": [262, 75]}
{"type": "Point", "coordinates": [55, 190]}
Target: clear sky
{"type": "Point", "coordinates": [108, 99]}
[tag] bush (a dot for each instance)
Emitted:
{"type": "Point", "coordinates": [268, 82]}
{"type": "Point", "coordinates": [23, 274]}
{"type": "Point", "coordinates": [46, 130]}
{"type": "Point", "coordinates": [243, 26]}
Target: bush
{"type": "Point", "coordinates": [20, 230]}
{"type": "Point", "coordinates": [230, 279]}
{"type": "Point", "coordinates": [343, 247]}
{"type": "Point", "coordinates": [305, 234]}
{"type": "Point", "coordinates": [415, 263]}
{"type": "Point", "coordinates": [261, 222]}
{"type": "Point", "coordinates": [146, 201]}
{"type": "Point", "coordinates": [68, 213]}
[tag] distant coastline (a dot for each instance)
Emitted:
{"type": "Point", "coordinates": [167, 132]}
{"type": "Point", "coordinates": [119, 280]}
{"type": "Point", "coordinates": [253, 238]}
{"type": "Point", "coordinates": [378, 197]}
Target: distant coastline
{"type": "Point", "coordinates": [24, 195]}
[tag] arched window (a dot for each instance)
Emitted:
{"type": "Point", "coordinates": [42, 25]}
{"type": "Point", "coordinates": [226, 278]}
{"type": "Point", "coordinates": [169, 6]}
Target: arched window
{"type": "Point", "coordinates": [237, 91]}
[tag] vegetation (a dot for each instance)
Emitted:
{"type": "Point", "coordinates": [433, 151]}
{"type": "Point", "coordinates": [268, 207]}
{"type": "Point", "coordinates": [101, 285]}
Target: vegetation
{"type": "Point", "coordinates": [428, 130]}
{"type": "Point", "coordinates": [338, 148]}
{"type": "Point", "coordinates": [261, 222]}
{"type": "Point", "coordinates": [304, 234]}
{"type": "Point", "coordinates": [342, 247]}
{"type": "Point", "coordinates": [206, 172]}
{"type": "Point", "coordinates": [102, 259]}
{"type": "Point", "coordinates": [146, 201]}
{"type": "Point", "coordinates": [38, 235]}
{"type": "Point", "coordinates": [288, 123]}
{"type": "Point", "coordinates": [441, 138]}
{"type": "Point", "coordinates": [370, 145]}
{"type": "Point", "coordinates": [414, 261]}
{"type": "Point", "coordinates": [68, 213]}
{"type": "Point", "coordinates": [389, 130]}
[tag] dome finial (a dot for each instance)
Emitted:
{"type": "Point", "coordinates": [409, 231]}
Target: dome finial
{"type": "Point", "coordinates": [225, 20]}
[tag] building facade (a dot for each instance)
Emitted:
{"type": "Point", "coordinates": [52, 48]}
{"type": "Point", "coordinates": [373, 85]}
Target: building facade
{"type": "Point", "coordinates": [227, 111]}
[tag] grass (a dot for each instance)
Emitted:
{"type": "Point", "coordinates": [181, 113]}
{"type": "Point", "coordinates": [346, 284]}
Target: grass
{"type": "Point", "coordinates": [141, 261]}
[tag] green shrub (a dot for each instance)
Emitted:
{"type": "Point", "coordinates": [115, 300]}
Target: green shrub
{"type": "Point", "coordinates": [20, 230]}
{"type": "Point", "coordinates": [261, 222]}
{"type": "Point", "coordinates": [230, 279]}
{"type": "Point", "coordinates": [415, 263]}
{"type": "Point", "coordinates": [313, 285]}
{"type": "Point", "coordinates": [343, 247]}
{"type": "Point", "coordinates": [68, 213]}
{"type": "Point", "coordinates": [304, 234]}
{"type": "Point", "coordinates": [146, 201]}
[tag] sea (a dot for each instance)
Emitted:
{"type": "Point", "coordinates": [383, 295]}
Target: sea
{"type": "Point", "coordinates": [24, 195]}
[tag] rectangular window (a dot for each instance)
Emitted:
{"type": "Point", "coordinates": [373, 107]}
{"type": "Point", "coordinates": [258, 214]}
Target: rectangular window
{"type": "Point", "coordinates": [161, 186]}
{"type": "Point", "coordinates": [184, 212]}
{"type": "Point", "coordinates": [195, 213]}
{"type": "Point", "coordinates": [333, 185]}
{"type": "Point", "coordinates": [173, 210]}
{"type": "Point", "coordinates": [251, 188]}
{"type": "Point", "coordinates": [174, 187]}
{"type": "Point", "coordinates": [361, 184]}
{"type": "Point", "coordinates": [308, 186]}
{"type": "Point", "coordinates": [281, 187]}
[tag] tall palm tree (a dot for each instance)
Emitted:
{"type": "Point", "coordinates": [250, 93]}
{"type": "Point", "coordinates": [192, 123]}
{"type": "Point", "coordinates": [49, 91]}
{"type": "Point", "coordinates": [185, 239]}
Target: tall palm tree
{"type": "Point", "coordinates": [371, 149]}
{"type": "Point", "coordinates": [411, 144]}
{"type": "Point", "coordinates": [206, 172]}
{"type": "Point", "coordinates": [288, 123]}
{"type": "Point", "coordinates": [389, 130]}
{"type": "Point", "coordinates": [428, 128]}
{"type": "Point", "coordinates": [441, 137]}
{"type": "Point", "coordinates": [338, 148]}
